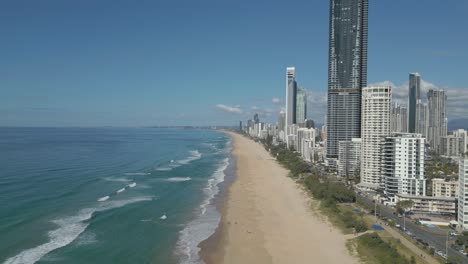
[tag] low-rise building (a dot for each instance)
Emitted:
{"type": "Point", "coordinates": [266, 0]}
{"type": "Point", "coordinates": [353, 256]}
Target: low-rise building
{"type": "Point", "coordinates": [430, 204]}
{"type": "Point", "coordinates": [443, 188]}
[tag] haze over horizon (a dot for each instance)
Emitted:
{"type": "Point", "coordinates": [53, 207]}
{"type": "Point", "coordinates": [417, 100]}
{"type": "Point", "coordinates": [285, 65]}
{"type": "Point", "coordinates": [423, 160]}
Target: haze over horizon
{"type": "Point", "coordinates": [116, 63]}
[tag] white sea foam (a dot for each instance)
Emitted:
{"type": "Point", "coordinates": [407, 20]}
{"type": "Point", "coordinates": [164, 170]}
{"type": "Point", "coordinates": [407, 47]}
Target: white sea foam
{"type": "Point", "coordinates": [120, 190]}
{"type": "Point", "coordinates": [131, 185]}
{"type": "Point", "coordinates": [69, 228]}
{"type": "Point", "coordinates": [136, 173]}
{"type": "Point", "coordinates": [102, 199]}
{"type": "Point", "coordinates": [205, 224]}
{"type": "Point", "coordinates": [194, 155]}
{"type": "Point", "coordinates": [113, 179]}
{"type": "Point", "coordinates": [164, 169]}
{"type": "Point", "coordinates": [86, 238]}
{"type": "Point", "coordinates": [178, 179]}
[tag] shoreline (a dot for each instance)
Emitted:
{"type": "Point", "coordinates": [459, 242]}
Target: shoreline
{"type": "Point", "coordinates": [267, 218]}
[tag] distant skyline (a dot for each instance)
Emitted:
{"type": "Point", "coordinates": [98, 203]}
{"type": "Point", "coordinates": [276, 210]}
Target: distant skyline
{"type": "Point", "coordinates": [145, 63]}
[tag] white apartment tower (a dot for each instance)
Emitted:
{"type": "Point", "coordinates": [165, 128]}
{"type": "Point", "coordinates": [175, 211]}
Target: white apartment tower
{"type": "Point", "coordinates": [463, 192]}
{"type": "Point", "coordinates": [403, 164]}
{"type": "Point", "coordinates": [375, 126]}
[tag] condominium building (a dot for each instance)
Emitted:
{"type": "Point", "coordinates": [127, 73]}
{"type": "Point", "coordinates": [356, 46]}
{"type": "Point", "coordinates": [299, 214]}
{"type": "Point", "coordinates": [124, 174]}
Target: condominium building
{"type": "Point", "coordinates": [399, 118]}
{"type": "Point", "coordinates": [291, 90]}
{"type": "Point", "coordinates": [422, 121]}
{"type": "Point", "coordinates": [376, 105]}
{"type": "Point", "coordinates": [463, 140]}
{"type": "Point", "coordinates": [349, 158]}
{"type": "Point", "coordinates": [414, 95]}
{"type": "Point", "coordinates": [347, 71]}
{"type": "Point", "coordinates": [305, 143]}
{"type": "Point", "coordinates": [403, 164]}
{"type": "Point", "coordinates": [463, 192]}
{"type": "Point", "coordinates": [449, 146]}
{"type": "Point", "coordinates": [430, 204]}
{"type": "Point", "coordinates": [301, 106]}
{"type": "Point", "coordinates": [437, 127]}
{"type": "Point", "coordinates": [444, 188]}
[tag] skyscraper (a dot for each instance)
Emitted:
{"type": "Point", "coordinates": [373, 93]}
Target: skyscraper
{"type": "Point", "coordinates": [399, 118]}
{"type": "Point", "coordinates": [347, 71]}
{"type": "Point", "coordinates": [421, 118]}
{"type": "Point", "coordinates": [437, 104]}
{"type": "Point", "coordinates": [414, 95]}
{"type": "Point", "coordinates": [301, 105]}
{"type": "Point", "coordinates": [403, 164]}
{"type": "Point", "coordinates": [376, 104]}
{"type": "Point", "coordinates": [291, 91]}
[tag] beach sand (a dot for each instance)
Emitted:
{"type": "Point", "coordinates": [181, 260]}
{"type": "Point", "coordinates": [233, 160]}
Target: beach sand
{"type": "Point", "coordinates": [267, 218]}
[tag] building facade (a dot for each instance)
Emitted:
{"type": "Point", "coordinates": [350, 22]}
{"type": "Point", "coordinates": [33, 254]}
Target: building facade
{"type": "Point", "coordinates": [463, 140]}
{"type": "Point", "coordinates": [403, 165]}
{"type": "Point", "coordinates": [301, 106]}
{"type": "Point", "coordinates": [399, 119]}
{"type": "Point", "coordinates": [449, 146]}
{"type": "Point", "coordinates": [291, 90]}
{"type": "Point", "coordinates": [422, 121]}
{"type": "Point", "coordinates": [443, 188]}
{"type": "Point", "coordinates": [349, 158]}
{"type": "Point", "coordinates": [376, 105]}
{"type": "Point", "coordinates": [414, 95]}
{"type": "Point", "coordinates": [437, 127]}
{"type": "Point", "coordinates": [430, 205]}
{"type": "Point", "coordinates": [347, 71]}
{"type": "Point", "coordinates": [463, 192]}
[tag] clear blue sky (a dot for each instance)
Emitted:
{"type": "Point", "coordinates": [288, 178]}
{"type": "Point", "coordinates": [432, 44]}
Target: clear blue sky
{"type": "Point", "coordinates": [132, 63]}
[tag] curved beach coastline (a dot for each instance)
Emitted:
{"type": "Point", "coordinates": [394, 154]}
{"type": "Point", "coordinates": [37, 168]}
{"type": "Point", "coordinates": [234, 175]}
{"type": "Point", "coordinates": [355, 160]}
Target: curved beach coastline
{"type": "Point", "coordinates": [266, 218]}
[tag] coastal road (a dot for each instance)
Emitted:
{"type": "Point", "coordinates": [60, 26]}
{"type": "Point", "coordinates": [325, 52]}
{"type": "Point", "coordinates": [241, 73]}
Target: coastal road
{"type": "Point", "coordinates": [435, 238]}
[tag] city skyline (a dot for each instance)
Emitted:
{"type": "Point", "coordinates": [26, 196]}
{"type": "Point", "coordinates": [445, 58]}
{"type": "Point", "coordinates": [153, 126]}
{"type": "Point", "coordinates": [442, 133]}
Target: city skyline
{"type": "Point", "coordinates": [73, 64]}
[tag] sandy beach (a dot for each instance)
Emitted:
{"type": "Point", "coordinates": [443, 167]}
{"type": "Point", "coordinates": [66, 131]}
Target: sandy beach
{"type": "Point", "coordinates": [267, 218]}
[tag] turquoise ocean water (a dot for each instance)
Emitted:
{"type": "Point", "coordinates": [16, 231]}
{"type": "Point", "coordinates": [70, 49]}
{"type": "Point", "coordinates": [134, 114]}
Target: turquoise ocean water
{"type": "Point", "coordinates": [108, 195]}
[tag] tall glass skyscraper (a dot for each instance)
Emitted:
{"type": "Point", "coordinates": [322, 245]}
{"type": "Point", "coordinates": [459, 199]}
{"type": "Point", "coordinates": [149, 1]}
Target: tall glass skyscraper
{"type": "Point", "coordinates": [347, 71]}
{"type": "Point", "coordinates": [301, 105]}
{"type": "Point", "coordinates": [291, 90]}
{"type": "Point", "coordinates": [414, 95]}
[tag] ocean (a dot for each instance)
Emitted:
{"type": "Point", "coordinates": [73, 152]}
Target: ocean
{"type": "Point", "coordinates": [109, 195]}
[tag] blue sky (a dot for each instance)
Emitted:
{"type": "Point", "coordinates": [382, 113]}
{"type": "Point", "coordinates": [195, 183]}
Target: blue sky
{"type": "Point", "coordinates": [178, 62]}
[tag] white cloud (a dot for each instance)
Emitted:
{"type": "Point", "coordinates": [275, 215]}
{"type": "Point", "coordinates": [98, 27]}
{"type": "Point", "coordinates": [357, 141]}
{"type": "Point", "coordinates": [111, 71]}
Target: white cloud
{"type": "Point", "coordinates": [230, 109]}
{"type": "Point", "coordinates": [276, 100]}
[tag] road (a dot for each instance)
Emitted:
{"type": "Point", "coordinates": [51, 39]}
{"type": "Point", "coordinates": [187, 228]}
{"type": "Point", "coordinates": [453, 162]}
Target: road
{"type": "Point", "coordinates": [435, 238]}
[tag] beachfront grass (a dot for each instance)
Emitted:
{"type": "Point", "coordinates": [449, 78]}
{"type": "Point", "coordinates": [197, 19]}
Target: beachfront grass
{"type": "Point", "coordinates": [371, 248]}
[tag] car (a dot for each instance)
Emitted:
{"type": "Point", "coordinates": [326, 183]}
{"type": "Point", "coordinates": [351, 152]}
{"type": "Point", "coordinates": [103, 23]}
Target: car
{"type": "Point", "coordinates": [397, 225]}
{"type": "Point", "coordinates": [453, 233]}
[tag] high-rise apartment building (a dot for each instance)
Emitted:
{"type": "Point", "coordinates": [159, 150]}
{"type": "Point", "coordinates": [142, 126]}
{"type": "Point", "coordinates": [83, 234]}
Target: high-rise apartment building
{"type": "Point", "coordinates": [376, 105]}
{"type": "Point", "coordinates": [463, 139]}
{"type": "Point", "coordinates": [291, 90]}
{"type": "Point", "coordinates": [347, 71]}
{"type": "Point", "coordinates": [414, 95]}
{"type": "Point", "coordinates": [349, 158]}
{"type": "Point", "coordinates": [437, 127]}
{"type": "Point", "coordinates": [403, 164]}
{"type": "Point", "coordinates": [301, 105]}
{"type": "Point", "coordinates": [463, 192]}
{"type": "Point", "coordinates": [399, 119]}
{"type": "Point", "coordinates": [422, 121]}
